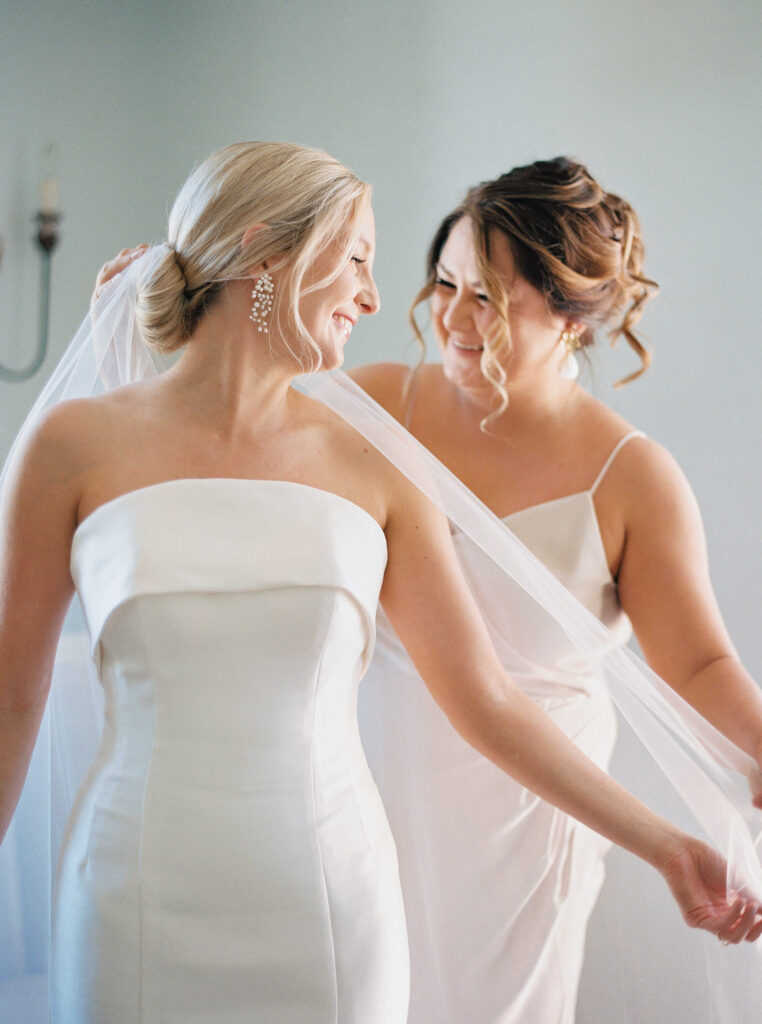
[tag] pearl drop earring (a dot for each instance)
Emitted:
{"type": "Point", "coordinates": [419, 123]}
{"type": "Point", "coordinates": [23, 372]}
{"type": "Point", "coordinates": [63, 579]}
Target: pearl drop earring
{"type": "Point", "coordinates": [262, 303]}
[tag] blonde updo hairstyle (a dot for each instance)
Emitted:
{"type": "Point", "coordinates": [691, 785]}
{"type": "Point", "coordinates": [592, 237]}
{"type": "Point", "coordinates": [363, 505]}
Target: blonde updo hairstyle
{"type": "Point", "coordinates": [306, 200]}
{"type": "Point", "coordinates": [580, 246]}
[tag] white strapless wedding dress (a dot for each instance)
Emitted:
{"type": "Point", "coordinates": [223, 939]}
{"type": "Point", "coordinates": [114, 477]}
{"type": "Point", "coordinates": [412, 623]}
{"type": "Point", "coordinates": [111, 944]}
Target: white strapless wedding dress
{"type": "Point", "coordinates": [498, 885]}
{"type": "Point", "coordinates": [228, 859]}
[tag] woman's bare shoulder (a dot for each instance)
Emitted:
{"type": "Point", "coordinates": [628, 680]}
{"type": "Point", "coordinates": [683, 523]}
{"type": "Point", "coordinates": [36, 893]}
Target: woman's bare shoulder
{"type": "Point", "coordinates": [644, 473]}
{"type": "Point", "coordinates": [324, 430]}
{"type": "Point", "coordinates": [597, 419]}
{"type": "Point", "coordinates": [64, 428]}
{"type": "Point", "coordinates": [379, 375]}
{"type": "Point", "coordinates": [73, 432]}
{"type": "Point", "coordinates": [393, 384]}
{"type": "Point", "coordinates": [348, 463]}
{"type": "Point", "coordinates": [386, 383]}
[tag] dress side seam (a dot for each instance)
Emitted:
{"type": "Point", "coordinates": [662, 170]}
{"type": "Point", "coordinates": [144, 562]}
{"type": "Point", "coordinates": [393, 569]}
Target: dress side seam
{"type": "Point", "coordinates": [318, 677]}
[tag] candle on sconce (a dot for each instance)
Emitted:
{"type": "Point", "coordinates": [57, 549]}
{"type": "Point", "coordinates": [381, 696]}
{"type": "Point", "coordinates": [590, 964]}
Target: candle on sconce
{"type": "Point", "coordinates": [49, 196]}
{"type": "Point", "coordinates": [47, 237]}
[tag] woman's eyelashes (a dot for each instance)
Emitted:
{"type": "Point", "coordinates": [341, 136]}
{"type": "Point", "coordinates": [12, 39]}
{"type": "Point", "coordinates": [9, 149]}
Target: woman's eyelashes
{"type": "Point", "coordinates": [442, 282]}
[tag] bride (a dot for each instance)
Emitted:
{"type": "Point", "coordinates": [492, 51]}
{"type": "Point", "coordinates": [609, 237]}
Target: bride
{"type": "Point", "coordinates": [227, 857]}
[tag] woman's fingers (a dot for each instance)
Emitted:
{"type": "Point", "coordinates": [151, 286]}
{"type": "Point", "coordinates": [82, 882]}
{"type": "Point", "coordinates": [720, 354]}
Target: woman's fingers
{"type": "Point", "coordinates": [755, 932]}
{"type": "Point", "coordinates": [697, 879]}
{"type": "Point", "coordinates": [739, 923]}
{"type": "Point", "coordinates": [115, 266]}
{"type": "Point", "coordinates": [110, 269]}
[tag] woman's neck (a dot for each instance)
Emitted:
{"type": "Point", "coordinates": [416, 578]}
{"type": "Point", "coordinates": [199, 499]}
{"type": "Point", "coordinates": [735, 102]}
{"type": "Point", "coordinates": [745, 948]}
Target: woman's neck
{"type": "Point", "coordinates": [231, 377]}
{"type": "Point", "coordinates": [529, 408]}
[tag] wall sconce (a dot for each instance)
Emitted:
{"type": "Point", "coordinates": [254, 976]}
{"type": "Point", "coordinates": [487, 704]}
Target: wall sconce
{"type": "Point", "coordinates": [47, 237]}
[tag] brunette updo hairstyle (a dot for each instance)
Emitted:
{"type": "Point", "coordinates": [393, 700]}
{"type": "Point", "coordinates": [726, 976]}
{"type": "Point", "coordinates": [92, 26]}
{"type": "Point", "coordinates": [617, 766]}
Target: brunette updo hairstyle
{"type": "Point", "coordinates": [577, 244]}
{"type": "Point", "coordinates": [305, 199]}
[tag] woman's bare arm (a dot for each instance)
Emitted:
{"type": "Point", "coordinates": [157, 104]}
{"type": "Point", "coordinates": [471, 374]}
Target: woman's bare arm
{"type": "Point", "coordinates": [665, 588]}
{"type": "Point", "coordinates": [38, 518]}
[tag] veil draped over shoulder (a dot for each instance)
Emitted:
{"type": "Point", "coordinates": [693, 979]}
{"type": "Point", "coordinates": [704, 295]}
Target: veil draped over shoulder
{"type": "Point", "coordinates": [681, 754]}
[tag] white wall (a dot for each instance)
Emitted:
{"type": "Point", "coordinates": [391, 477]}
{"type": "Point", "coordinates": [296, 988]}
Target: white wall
{"type": "Point", "coordinates": [423, 99]}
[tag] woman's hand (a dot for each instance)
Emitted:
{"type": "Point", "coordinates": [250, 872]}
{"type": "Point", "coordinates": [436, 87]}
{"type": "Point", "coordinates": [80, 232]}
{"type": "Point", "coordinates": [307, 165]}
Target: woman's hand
{"type": "Point", "coordinates": [113, 267]}
{"type": "Point", "coordinates": [696, 876]}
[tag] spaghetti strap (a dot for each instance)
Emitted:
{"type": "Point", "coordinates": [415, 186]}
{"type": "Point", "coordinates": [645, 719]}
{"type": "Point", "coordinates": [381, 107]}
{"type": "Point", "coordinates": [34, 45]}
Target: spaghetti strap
{"type": "Point", "coordinates": [412, 393]}
{"type": "Point", "coordinates": [620, 444]}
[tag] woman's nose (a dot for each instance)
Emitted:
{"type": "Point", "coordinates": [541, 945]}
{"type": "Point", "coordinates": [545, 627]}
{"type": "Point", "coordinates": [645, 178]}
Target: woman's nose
{"type": "Point", "coordinates": [456, 314]}
{"type": "Point", "coordinates": [368, 298]}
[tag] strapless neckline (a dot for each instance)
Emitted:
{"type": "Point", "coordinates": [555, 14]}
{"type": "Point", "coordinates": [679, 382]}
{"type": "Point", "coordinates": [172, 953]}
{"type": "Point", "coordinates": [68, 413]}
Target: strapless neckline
{"type": "Point", "coordinates": [232, 481]}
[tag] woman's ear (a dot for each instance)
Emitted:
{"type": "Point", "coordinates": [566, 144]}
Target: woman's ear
{"type": "Point", "coordinates": [248, 237]}
{"type": "Point", "coordinates": [576, 325]}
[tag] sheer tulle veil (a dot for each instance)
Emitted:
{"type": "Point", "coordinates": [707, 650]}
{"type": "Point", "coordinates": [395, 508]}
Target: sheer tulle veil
{"type": "Point", "coordinates": [678, 746]}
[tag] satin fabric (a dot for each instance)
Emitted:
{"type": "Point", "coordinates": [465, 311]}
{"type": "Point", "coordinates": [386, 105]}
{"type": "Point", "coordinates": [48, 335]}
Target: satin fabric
{"type": "Point", "coordinates": [498, 885]}
{"type": "Point", "coordinates": [228, 859]}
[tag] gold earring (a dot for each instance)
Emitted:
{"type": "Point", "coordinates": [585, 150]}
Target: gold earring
{"type": "Point", "coordinates": [569, 368]}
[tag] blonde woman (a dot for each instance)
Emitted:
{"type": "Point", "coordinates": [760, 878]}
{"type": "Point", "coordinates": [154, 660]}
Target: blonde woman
{"type": "Point", "coordinates": [227, 858]}
{"type": "Point", "coordinates": [499, 885]}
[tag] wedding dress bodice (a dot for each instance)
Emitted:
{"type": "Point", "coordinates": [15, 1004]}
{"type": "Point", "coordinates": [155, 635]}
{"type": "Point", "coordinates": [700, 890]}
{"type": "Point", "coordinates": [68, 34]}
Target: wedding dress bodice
{"type": "Point", "coordinates": [228, 858]}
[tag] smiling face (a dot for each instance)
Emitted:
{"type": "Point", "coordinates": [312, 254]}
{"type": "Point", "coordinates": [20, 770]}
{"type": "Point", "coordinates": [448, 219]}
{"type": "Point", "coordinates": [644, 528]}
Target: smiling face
{"type": "Point", "coordinates": [462, 313]}
{"type": "Point", "coordinates": [338, 289]}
